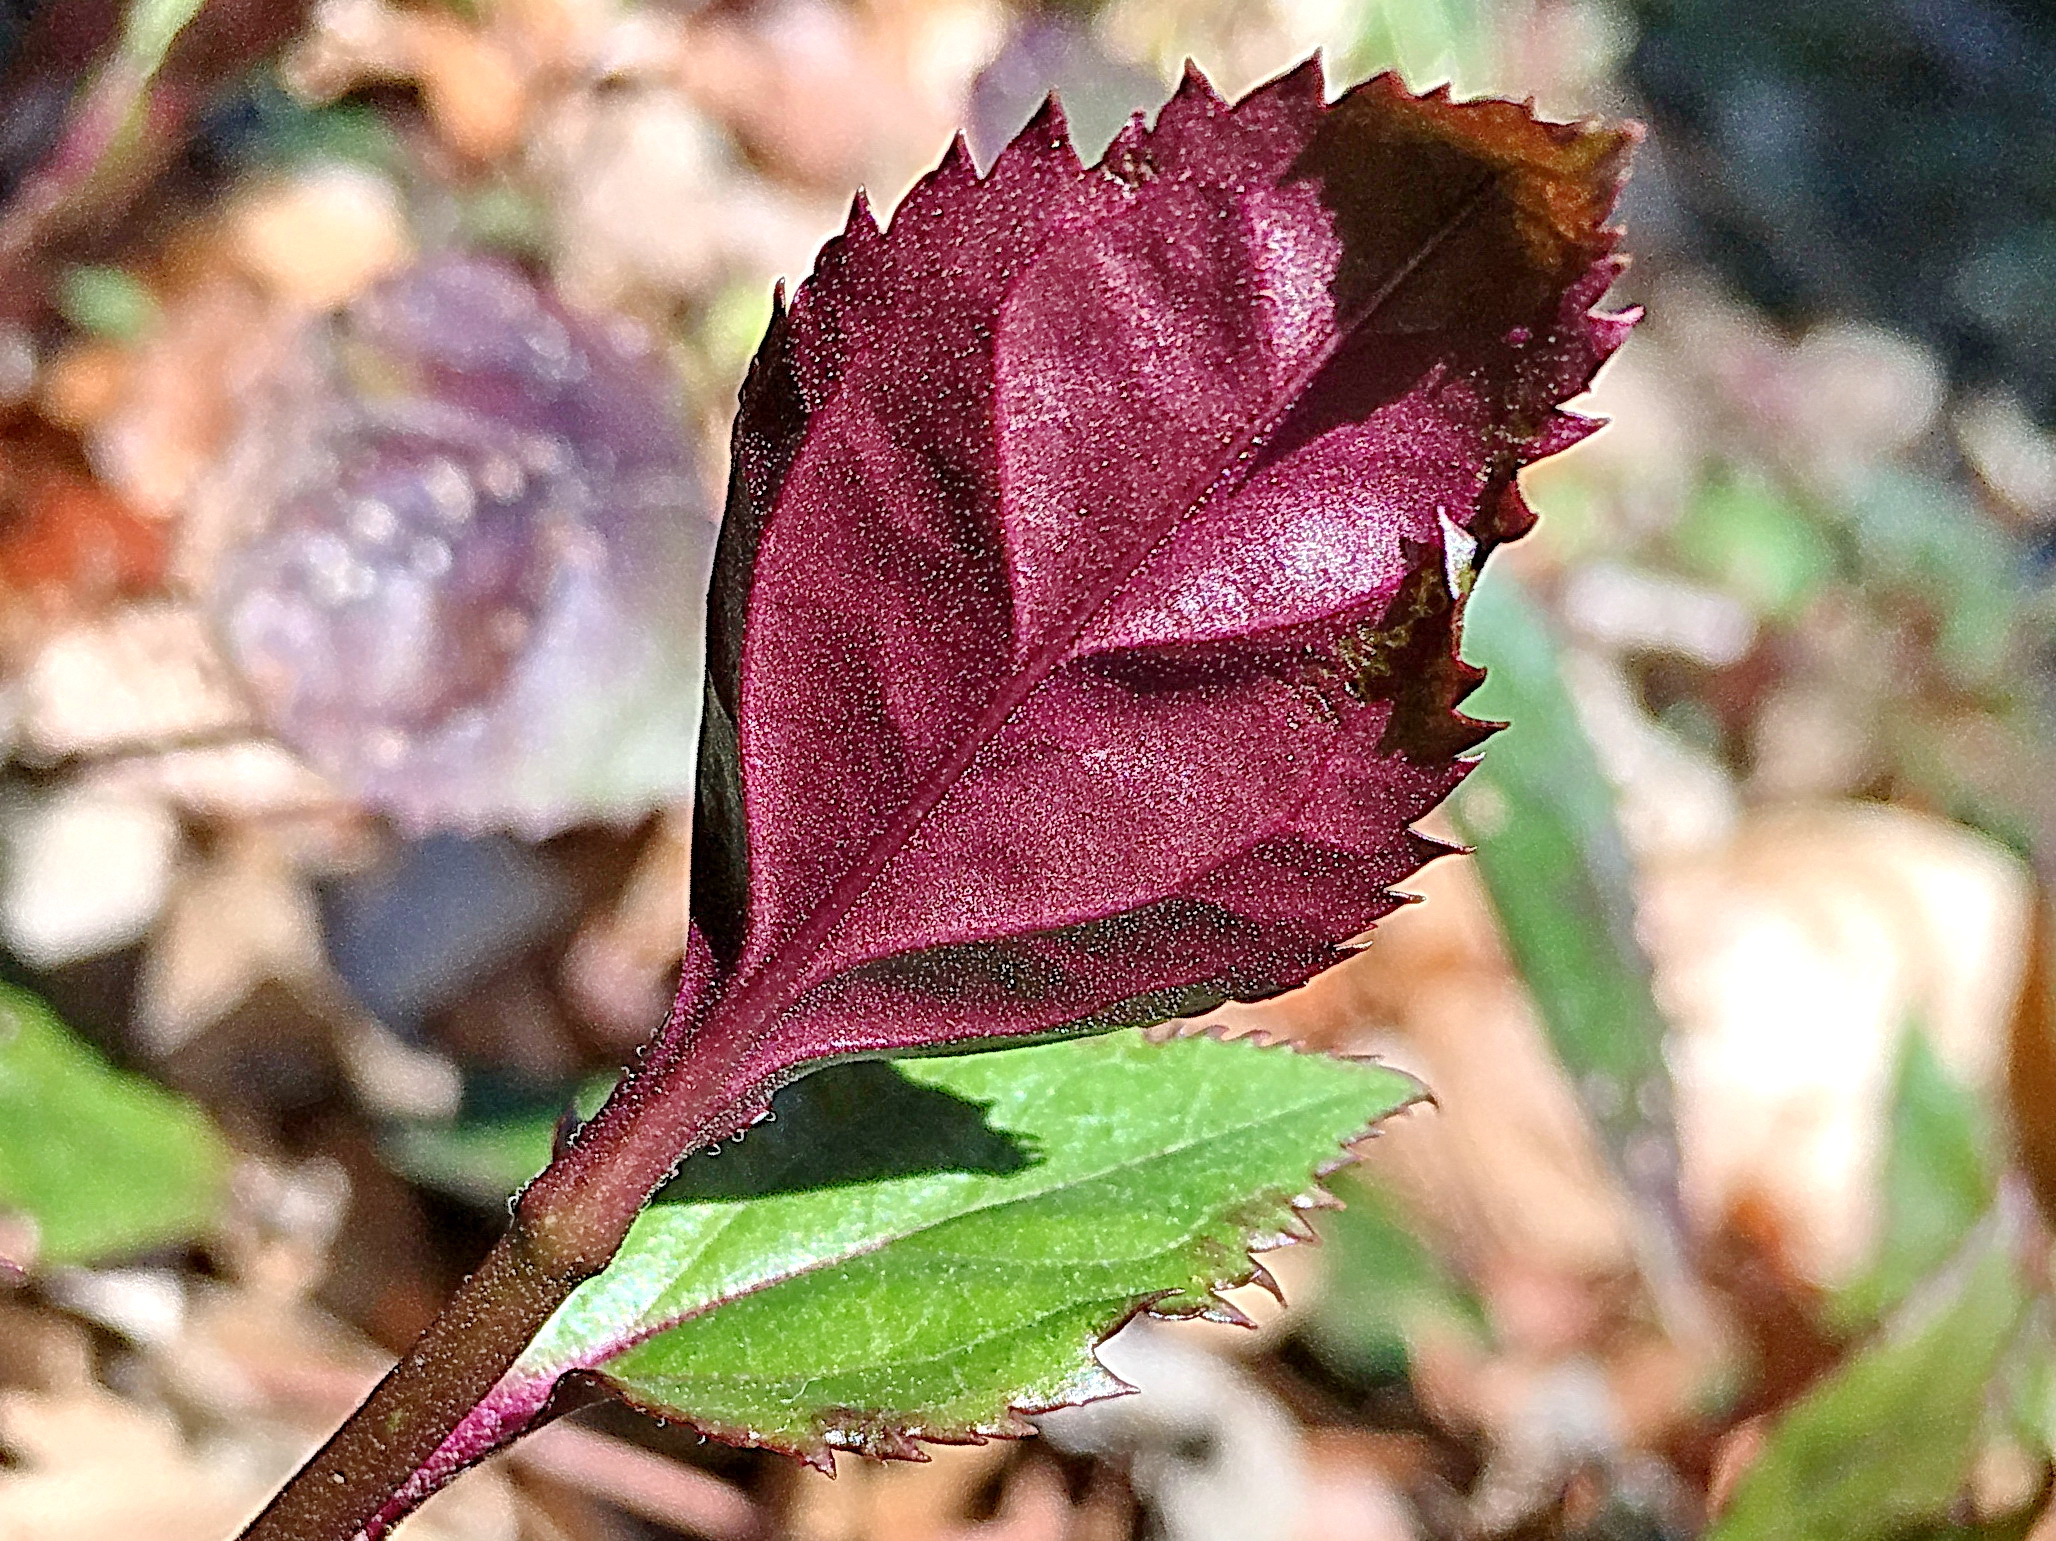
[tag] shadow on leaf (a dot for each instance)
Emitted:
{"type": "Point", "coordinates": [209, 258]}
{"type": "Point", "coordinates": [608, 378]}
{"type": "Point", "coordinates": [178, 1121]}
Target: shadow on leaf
{"type": "Point", "coordinates": [846, 1124]}
{"type": "Point", "coordinates": [857, 1122]}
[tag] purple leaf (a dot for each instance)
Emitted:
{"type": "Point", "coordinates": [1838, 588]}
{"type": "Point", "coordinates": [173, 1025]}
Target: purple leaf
{"type": "Point", "coordinates": [1082, 636]}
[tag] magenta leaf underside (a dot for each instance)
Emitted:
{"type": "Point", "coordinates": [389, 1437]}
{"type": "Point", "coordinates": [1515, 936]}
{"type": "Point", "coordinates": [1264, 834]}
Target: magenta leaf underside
{"type": "Point", "coordinates": [1082, 644]}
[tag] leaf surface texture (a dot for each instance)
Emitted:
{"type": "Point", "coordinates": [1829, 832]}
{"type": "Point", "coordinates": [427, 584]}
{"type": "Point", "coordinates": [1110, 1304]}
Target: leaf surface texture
{"type": "Point", "coordinates": [928, 1248]}
{"type": "Point", "coordinates": [1082, 638]}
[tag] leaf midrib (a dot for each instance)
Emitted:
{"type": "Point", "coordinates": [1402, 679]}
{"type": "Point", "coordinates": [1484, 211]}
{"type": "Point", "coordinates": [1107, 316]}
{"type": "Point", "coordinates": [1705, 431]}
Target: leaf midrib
{"type": "Point", "coordinates": [760, 997]}
{"type": "Point", "coordinates": [596, 1358]}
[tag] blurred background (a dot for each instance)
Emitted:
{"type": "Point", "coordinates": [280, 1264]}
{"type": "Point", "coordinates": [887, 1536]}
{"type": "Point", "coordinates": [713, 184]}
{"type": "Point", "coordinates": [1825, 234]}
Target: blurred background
{"type": "Point", "coordinates": [365, 374]}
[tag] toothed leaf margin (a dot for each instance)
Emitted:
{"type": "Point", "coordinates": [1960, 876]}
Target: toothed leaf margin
{"type": "Point", "coordinates": [947, 1306]}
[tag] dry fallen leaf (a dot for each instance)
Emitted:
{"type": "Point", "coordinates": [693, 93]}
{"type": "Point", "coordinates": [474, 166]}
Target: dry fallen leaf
{"type": "Point", "coordinates": [241, 918]}
{"type": "Point", "coordinates": [1792, 960]}
{"type": "Point", "coordinates": [320, 238]}
{"type": "Point", "coordinates": [141, 678]}
{"type": "Point", "coordinates": [86, 873]}
{"type": "Point", "coordinates": [621, 965]}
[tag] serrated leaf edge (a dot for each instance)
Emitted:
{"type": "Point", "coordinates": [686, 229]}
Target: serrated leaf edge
{"type": "Point", "coordinates": [1270, 1222]}
{"type": "Point", "coordinates": [864, 241]}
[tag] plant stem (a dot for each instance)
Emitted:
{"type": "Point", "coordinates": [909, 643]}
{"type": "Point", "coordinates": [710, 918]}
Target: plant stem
{"type": "Point", "coordinates": [568, 1224]}
{"type": "Point", "coordinates": [471, 1343]}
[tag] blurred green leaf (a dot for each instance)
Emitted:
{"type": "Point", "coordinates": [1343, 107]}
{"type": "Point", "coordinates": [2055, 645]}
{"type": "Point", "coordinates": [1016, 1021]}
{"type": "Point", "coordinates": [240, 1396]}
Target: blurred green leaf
{"type": "Point", "coordinates": [1919, 533]}
{"type": "Point", "coordinates": [100, 1162]}
{"type": "Point", "coordinates": [1742, 534]}
{"type": "Point", "coordinates": [1886, 1444]}
{"type": "Point", "coordinates": [288, 132]}
{"type": "Point", "coordinates": [2026, 1390]}
{"type": "Point", "coordinates": [1541, 813]}
{"type": "Point", "coordinates": [1939, 1179]}
{"type": "Point", "coordinates": [485, 1156]}
{"type": "Point", "coordinates": [503, 217]}
{"type": "Point", "coordinates": [1381, 1283]}
{"type": "Point", "coordinates": [150, 28]}
{"type": "Point", "coordinates": [2005, 1527]}
{"type": "Point", "coordinates": [940, 1240]}
{"type": "Point", "coordinates": [106, 302]}
{"type": "Point", "coordinates": [1427, 42]}
{"type": "Point", "coordinates": [732, 324]}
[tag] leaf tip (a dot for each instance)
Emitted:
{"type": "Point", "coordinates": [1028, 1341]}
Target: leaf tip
{"type": "Point", "coordinates": [1194, 89]}
{"type": "Point", "coordinates": [862, 221]}
{"type": "Point", "coordinates": [1044, 136]}
{"type": "Point", "coordinates": [956, 164]}
{"type": "Point", "coordinates": [1055, 127]}
{"type": "Point", "coordinates": [1225, 1312]}
{"type": "Point", "coordinates": [1426, 847]}
{"type": "Point", "coordinates": [1296, 1228]}
{"type": "Point", "coordinates": [1308, 79]}
{"type": "Point", "coordinates": [1609, 329]}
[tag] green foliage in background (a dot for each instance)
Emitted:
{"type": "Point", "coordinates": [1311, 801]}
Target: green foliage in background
{"type": "Point", "coordinates": [1887, 1442]}
{"type": "Point", "coordinates": [106, 302]}
{"type": "Point", "coordinates": [1382, 1286]}
{"type": "Point", "coordinates": [1541, 813]}
{"type": "Point", "coordinates": [1922, 536]}
{"type": "Point", "coordinates": [1743, 534]}
{"type": "Point", "coordinates": [1939, 1178]}
{"type": "Point", "coordinates": [150, 27]}
{"type": "Point", "coordinates": [1427, 41]}
{"type": "Point", "coordinates": [101, 1163]}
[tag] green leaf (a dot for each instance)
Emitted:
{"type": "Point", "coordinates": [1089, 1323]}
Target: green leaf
{"type": "Point", "coordinates": [2027, 1380]}
{"type": "Point", "coordinates": [2018, 1526]}
{"type": "Point", "coordinates": [106, 302]}
{"type": "Point", "coordinates": [1382, 1283]}
{"type": "Point", "coordinates": [1923, 534]}
{"type": "Point", "coordinates": [150, 28]}
{"type": "Point", "coordinates": [930, 1247]}
{"type": "Point", "coordinates": [1757, 544]}
{"type": "Point", "coordinates": [1541, 814]}
{"type": "Point", "coordinates": [1427, 41]}
{"type": "Point", "coordinates": [288, 133]}
{"type": "Point", "coordinates": [1886, 1443]}
{"type": "Point", "coordinates": [1939, 1179]}
{"type": "Point", "coordinates": [101, 1163]}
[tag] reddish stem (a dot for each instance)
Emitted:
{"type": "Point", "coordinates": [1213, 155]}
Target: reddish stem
{"type": "Point", "coordinates": [567, 1226]}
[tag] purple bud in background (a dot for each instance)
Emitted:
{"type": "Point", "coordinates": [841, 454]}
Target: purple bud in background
{"type": "Point", "coordinates": [469, 553]}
